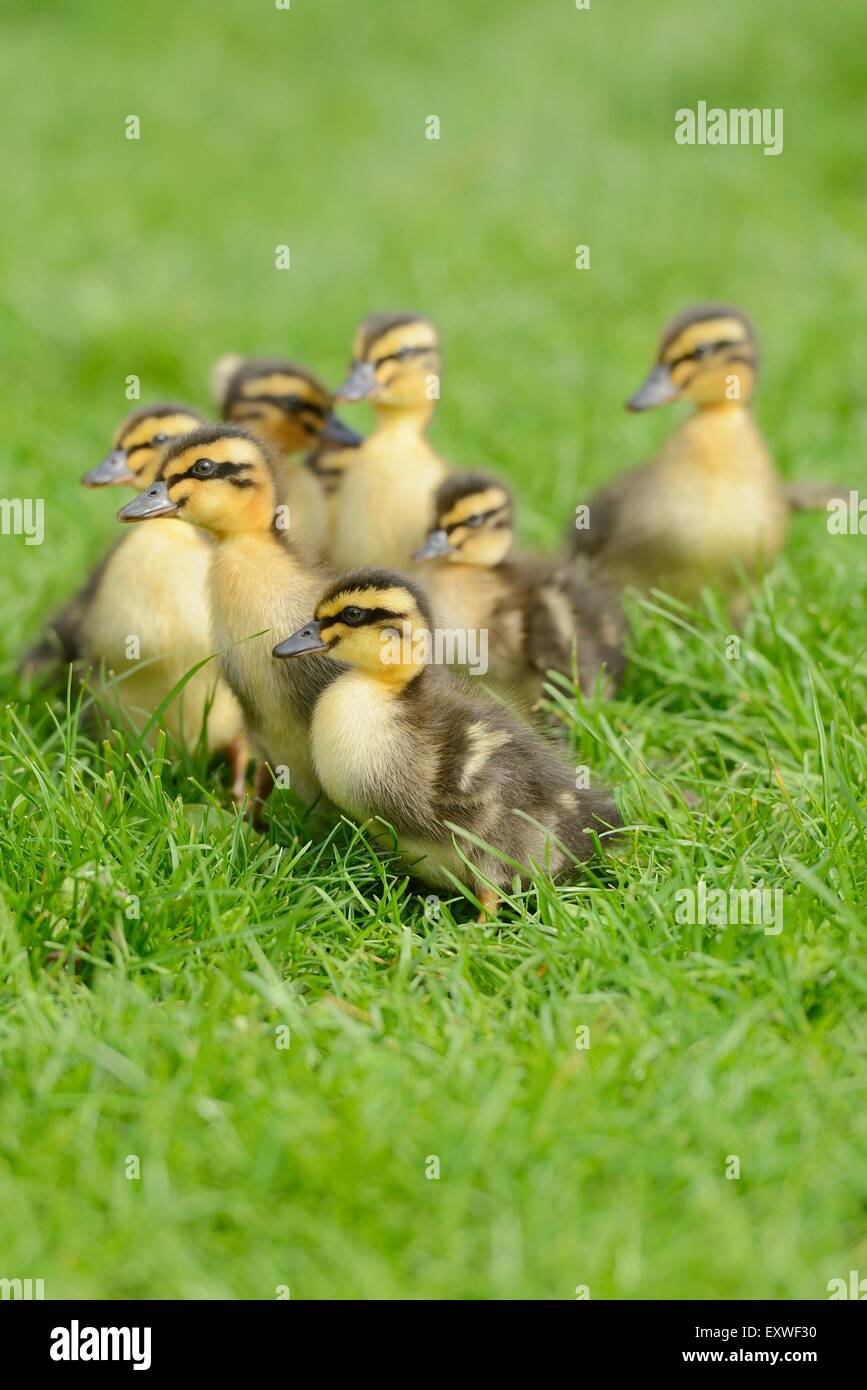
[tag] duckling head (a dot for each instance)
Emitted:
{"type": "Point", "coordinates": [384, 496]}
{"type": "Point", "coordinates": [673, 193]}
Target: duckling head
{"type": "Point", "coordinates": [472, 522]}
{"type": "Point", "coordinates": [373, 619]}
{"type": "Point", "coordinates": [707, 355]}
{"type": "Point", "coordinates": [396, 363]}
{"type": "Point", "coordinates": [218, 477]}
{"type": "Point", "coordinates": [139, 445]}
{"type": "Point", "coordinates": [280, 403]}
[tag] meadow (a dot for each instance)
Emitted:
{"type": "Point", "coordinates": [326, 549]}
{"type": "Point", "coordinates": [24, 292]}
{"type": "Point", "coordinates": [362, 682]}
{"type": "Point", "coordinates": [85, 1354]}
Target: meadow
{"type": "Point", "coordinates": [244, 1066]}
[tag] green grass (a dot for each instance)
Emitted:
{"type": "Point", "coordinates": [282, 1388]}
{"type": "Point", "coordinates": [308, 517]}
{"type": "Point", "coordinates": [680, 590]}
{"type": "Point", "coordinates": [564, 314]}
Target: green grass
{"type": "Point", "coordinates": [149, 1025]}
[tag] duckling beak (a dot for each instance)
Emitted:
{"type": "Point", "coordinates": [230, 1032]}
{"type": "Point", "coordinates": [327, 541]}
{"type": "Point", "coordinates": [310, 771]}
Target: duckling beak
{"type": "Point", "coordinates": [113, 471]}
{"type": "Point", "coordinates": [658, 389]}
{"type": "Point", "coordinates": [360, 383]}
{"type": "Point", "coordinates": [306, 639]}
{"type": "Point", "coordinates": [338, 435]}
{"type": "Point", "coordinates": [155, 501]}
{"type": "Point", "coordinates": [436, 545]}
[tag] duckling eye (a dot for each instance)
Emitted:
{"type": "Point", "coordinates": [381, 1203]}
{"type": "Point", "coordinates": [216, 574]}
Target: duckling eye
{"type": "Point", "coordinates": [702, 350]}
{"type": "Point", "coordinates": [475, 520]}
{"type": "Point", "coordinates": [204, 468]}
{"type": "Point", "coordinates": [293, 400]}
{"type": "Point", "coordinates": [159, 439]}
{"type": "Point", "coordinates": [353, 616]}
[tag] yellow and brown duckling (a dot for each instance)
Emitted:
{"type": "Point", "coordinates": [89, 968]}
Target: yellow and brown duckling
{"type": "Point", "coordinates": [383, 508]}
{"type": "Point", "coordinates": [139, 442]}
{"type": "Point", "coordinates": [259, 581]}
{"type": "Point", "coordinates": [289, 409]}
{"type": "Point", "coordinates": [535, 613]}
{"type": "Point", "coordinates": [142, 618]}
{"type": "Point", "coordinates": [396, 739]}
{"type": "Point", "coordinates": [135, 450]}
{"type": "Point", "coordinates": [711, 506]}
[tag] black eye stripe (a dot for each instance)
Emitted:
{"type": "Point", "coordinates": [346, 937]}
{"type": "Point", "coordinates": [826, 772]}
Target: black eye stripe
{"type": "Point", "coordinates": [456, 525]}
{"type": "Point", "coordinates": [287, 404]}
{"type": "Point", "coordinates": [402, 354]}
{"type": "Point", "coordinates": [134, 448]}
{"type": "Point", "coordinates": [369, 615]}
{"type": "Point", "coordinates": [226, 470]}
{"type": "Point", "coordinates": [705, 350]}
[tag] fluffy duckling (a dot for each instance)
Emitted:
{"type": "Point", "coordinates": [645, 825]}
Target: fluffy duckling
{"type": "Point", "coordinates": [135, 452]}
{"type": "Point", "coordinates": [142, 615]}
{"type": "Point", "coordinates": [290, 410]}
{"type": "Point", "coordinates": [395, 738]}
{"type": "Point", "coordinates": [711, 505]}
{"type": "Point", "coordinates": [146, 618]}
{"type": "Point", "coordinates": [535, 612]}
{"type": "Point", "coordinates": [138, 444]}
{"type": "Point", "coordinates": [383, 509]}
{"type": "Point", "coordinates": [222, 479]}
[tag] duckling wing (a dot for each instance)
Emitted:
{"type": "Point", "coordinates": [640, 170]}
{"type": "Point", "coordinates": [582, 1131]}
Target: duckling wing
{"type": "Point", "coordinates": [570, 611]}
{"type": "Point", "coordinates": [60, 644]}
{"type": "Point", "coordinates": [604, 512]}
{"type": "Point", "coordinates": [503, 783]}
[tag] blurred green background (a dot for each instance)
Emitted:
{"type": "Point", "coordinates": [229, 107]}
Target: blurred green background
{"type": "Point", "coordinates": [306, 127]}
{"type": "Point", "coordinates": [261, 127]}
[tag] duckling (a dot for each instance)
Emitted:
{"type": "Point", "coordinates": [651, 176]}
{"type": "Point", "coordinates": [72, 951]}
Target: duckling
{"type": "Point", "coordinates": [711, 506]}
{"type": "Point", "coordinates": [143, 431]}
{"type": "Point", "coordinates": [135, 446]}
{"type": "Point", "coordinates": [143, 614]}
{"type": "Point", "coordinates": [138, 444]}
{"type": "Point", "coordinates": [223, 479]}
{"type": "Point", "coordinates": [383, 509]}
{"type": "Point", "coordinates": [534, 612]}
{"type": "Point", "coordinates": [397, 739]}
{"type": "Point", "coordinates": [288, 408]}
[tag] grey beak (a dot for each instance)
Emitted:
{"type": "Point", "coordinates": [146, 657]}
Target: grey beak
{"type": "Point", "coordinates": [658, 389]}
{"type": "Point", "coordinates": [337, 435]}
{"type": "Point", "coordinates": [155, 501]}
{"type": "Point", "coordinates": [436, 545]}
{"type": "Point", "coordinates": [306, 639]}
{"type": "Point", "coordinates": [113, 471]}
{"type": "Point", "coordinates": [359, 384]}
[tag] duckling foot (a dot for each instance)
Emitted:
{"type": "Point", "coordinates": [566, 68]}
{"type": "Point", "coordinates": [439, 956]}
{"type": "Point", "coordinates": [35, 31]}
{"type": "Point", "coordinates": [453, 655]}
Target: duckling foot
{"type": "Point", "coordinates": [490, 900]}
{"type": "Point", "coordinates": [814, 497]}
{"type": "Point", "coordinates": [263, 785]}
{"type": "Point", "coordinates": [238, 755]}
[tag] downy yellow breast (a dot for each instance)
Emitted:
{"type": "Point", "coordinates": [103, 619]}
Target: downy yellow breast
{"type": "Point", "coordinates": [149, 622]}
{"type": "Point", "coordinates": [384, 506]}
{"type": "Point", "coordinates": [716, 506]}
{"type": "Point", "coordinates": [258, 587]}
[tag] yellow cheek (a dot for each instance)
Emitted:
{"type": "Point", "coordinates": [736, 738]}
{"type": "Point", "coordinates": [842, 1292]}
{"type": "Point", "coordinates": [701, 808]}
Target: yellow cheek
{"type": "Point", "coordinates": [400, 383]}
{"type": "Point", "coordinates": [184, 492]}
{"type": "Point", "coordinates": [356, 647]}
{"type": "Point", "coordinates": [360, 646]}
{"type": "Point", "coordinates": [682, 373]}
{"type": "Point", "coordinates": [728, 381]}
{"type": "Point", "coordinates": [147, 466]}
